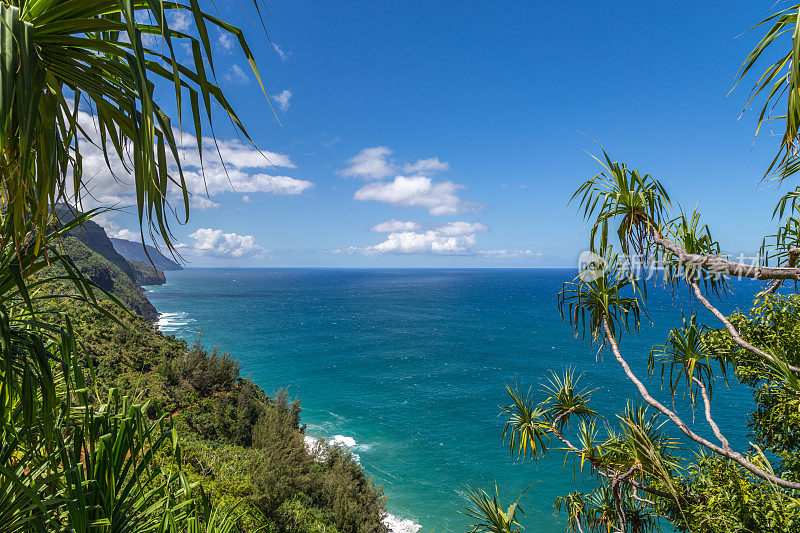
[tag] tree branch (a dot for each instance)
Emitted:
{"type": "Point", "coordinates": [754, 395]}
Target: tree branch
{"type": "Point", "coordinates": [734, 456]}
{"type": "Point", "coordinates": [719, 265]}
{"type": "Point", "coordinates": [714, 426]}
{"type": "Point", "coordinates": [793, 255]}
{"type": "Point", "coordinates": [735, 335]}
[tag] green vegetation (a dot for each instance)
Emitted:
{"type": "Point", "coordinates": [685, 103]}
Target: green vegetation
{"type": "Point", "coordinates": [245, 448]}
{"type": "Point", "coordinates": [93, 400]}
{"type": "Point", "coordinates": [105, 275]}
{"type": "Point", "coordinates": [146, 274]}
{"type": "Point", "coordinates": [652, 466]}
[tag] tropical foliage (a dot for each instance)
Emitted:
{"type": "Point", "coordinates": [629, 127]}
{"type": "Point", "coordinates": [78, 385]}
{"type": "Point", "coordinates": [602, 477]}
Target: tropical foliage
{"type": "Point", "coordinates": [244, 452]}
{"type": "Point", "coordinates": [81, 450]}
{"type": "Point", "coordinates": [652, 467]}
{"type": "Point", "coordinates": [62, 58]}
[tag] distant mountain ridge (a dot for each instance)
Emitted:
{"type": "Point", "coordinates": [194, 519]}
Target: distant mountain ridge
{"type": "Point", "coordinates": [134, 251]}
{"type": "Point", "coordinates": [98, 259]}
{"type": "Point", "coordinates": [94, 237]}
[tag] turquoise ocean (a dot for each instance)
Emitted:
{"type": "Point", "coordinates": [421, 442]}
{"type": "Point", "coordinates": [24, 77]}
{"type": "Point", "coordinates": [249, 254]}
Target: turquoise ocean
{"type": "Point", "coordinates": [408, 368]}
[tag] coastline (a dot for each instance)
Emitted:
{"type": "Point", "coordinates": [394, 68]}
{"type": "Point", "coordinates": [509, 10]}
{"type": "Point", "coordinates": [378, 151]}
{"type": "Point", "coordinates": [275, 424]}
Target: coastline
{"type": "Point", "coordinates": [169, 323]}
{"type": "Point", "coordinates": [394, 523]}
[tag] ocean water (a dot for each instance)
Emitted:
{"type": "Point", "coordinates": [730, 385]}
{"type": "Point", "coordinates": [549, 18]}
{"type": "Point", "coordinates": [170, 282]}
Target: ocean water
{"type": "Point", "coordinates": [407, 368]}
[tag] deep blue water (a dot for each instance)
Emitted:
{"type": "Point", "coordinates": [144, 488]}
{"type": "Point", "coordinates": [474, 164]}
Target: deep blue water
{"type": "Point", "coordinates": [412, 364]}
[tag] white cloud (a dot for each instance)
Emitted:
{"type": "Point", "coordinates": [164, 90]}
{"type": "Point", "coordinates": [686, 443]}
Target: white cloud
{"type": "Point", "coordinates": [423, 166]}
{"type": "Point", "coordinates": [370, 164]}
{"type": "Point", "coordinates": [225, 41]}
{"type": "Point", "coordinates": [245, 171]}
{"type": "Point", "coordinates": [201, 202]}
{"type": "Point", "coordinates": [114, 231]}
{"type": "Point", "coordinates": [510, 254]}
{"type": "Point", "coordinates": [430, 242]}
{"type": "Point", "coordinates": [246, 199]}
{"type": "Point", "coordinates": [459, 229]}
{"type": "Point", "coordinates": [330, 142]}
{"type": "Point", "coordinates": [392, 226]}
{"type": "Point", "coordinates": [374, 164]}
{"type": "Point", "coordinates": [416, 191]}
{"type": "Point", "coordinates": [149, 40]}
{"type": "Point", "coordinates": [126, 234]}
{"type": "Point", "coordinates": [179, 20]}
{"type": "Point", "coordinates": [235, 74]}
{"type": "Point", "coordinates": [235, 153]}
{"type": "Point", "coordinates": [282, 53]}
{"type": "Point", "coordinates": [216, 243]}
{"type": "Point", "coordinates": [455, 238]}
{"type": "Point", "coordinates": [350, 250]}
{"type": "Point", "coordinates": [283, 99]}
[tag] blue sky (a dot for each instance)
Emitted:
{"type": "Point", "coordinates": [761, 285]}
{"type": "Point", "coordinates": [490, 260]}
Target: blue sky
{"type": "Point", "coordinates": [469, 125]}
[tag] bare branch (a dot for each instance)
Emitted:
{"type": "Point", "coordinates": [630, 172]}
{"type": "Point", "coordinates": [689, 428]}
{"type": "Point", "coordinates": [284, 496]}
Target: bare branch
{"type": "Point", "coordinates": [707, 403]}
{"type": "Point", "coordinates": [635, 494]}
{"type": "Point", "coordinates": [732, 455]}
{"type": "Point", "coordinates": [719, 265]}
{"type": "Point", "coordinates": [793, 255]}
{"type": "Point", "coordinates": [735, 335]}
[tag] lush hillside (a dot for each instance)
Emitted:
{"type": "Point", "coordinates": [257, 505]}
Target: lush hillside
{"type": "Point", "coordinates": [133, 251]}
{"type": "Point", "coordinates": [94, 236]}
{"type": "Point", "coordinates": [107, 275]}
{"type": "Point", "coordinates": [242, 444]}
{"type": "Point", "coordinates": [146, 274]}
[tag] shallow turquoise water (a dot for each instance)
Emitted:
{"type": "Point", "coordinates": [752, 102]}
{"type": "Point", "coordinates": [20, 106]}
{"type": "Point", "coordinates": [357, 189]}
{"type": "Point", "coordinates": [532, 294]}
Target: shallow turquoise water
{"type": "Point", "coordinates": [412, 364]}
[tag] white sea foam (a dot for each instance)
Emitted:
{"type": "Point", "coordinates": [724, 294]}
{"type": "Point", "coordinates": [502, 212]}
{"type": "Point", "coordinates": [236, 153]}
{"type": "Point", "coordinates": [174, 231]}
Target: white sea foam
{"type": "Point", "coordinates": [400, 525]}
{"type": "Point", "coordinates": [342, 440]}
{"type": "Point", "coordinates": [315, 448]}
{"type": "Point", "coordinates": [172, 321]}
{"type": "Point", "coordinates": [310, 441]}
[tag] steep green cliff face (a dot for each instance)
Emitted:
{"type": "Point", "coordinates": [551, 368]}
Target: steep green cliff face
{"type": "Point", "coordinates": [145, 274]}
{"type": "Point", "coordinates": [118, 278]}
{"type": "Point", "coordinates": [245, 447]}
{"type": "Point", "coordinates": [94, 237]}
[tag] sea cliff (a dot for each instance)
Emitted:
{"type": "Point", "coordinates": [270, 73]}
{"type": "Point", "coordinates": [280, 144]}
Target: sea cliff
{"type": "Point", "coordinates": [244, 446]}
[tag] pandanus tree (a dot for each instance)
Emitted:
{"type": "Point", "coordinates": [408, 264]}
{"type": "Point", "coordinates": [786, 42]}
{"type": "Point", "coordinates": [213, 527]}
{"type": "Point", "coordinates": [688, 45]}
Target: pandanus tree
{"type": "Point", "coordinates": [640, 461]}
{"type": "Point", "coordinates": [68, 460]}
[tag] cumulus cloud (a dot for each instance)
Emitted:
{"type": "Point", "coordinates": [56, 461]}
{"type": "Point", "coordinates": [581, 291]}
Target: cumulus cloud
{"type": "Point", "coordinates": [423, 166]}
{"type": "Point", "coordinates": [375, 164]}
{"type": "Point", "coordinates": [454, 238]}
{"type": "Point", "coordinates": [283, 99]}
{"type": "Point", "coordinates": [282, 53]}
{"type": "Point", "coordinates": [459, 229]}
{"type": "Point", "coordinates": [202, 203]}
{"type": "Point", "coordinates": [391, 226]}
{"type": "Point", "coordinates": [416, 191]}
{"type": "Point", "coordinates": [245, 171]}
{"type": "Point", "coordinates": [235, 153]}
{"type": "Point", "coordinates": [431, 242]}
{"type": "Point", "coordinates": [370, 164]}
{"type": "Point", "coordinates": [115, 231]}
{"type": "Point", "coordinates": [216, 243]}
